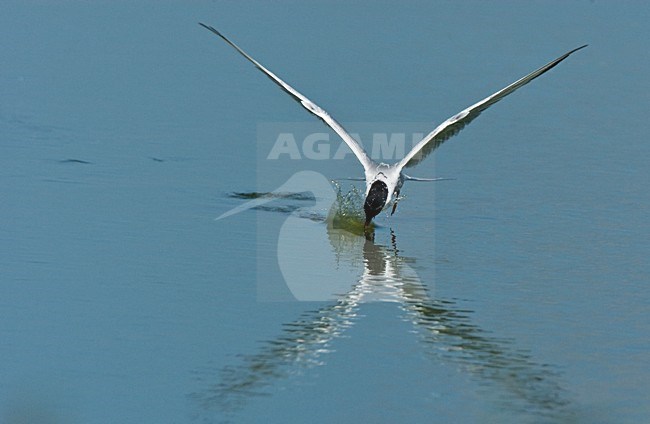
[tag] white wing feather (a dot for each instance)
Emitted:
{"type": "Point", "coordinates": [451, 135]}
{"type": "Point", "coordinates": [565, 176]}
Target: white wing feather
{"type": "Point", "coordinates": [306, 103]}
{"type": "Point", "coordinates": [453, 125]}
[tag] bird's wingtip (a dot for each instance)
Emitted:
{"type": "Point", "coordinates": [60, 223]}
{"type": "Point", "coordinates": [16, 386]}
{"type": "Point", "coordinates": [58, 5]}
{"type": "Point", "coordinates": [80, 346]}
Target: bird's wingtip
{"type": "Point", "coordinates": [210, 28]}
{"type": "Point", "coordinates": [579, 48]}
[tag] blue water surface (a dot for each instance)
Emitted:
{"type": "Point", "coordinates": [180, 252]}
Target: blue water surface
{"type": "Point", "coordinates": [515, 293]}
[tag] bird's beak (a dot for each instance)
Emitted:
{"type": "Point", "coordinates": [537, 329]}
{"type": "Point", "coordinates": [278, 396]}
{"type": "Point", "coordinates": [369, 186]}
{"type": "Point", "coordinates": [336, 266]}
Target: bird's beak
{"type": "Point", "coordinates": [368, 220]}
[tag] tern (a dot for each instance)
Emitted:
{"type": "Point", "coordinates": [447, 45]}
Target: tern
{"type": "Point", "coordinates": [384, 181]}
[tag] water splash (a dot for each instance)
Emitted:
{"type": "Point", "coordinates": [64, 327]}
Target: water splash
{"type": "Point", "coordinates": [347, 211]}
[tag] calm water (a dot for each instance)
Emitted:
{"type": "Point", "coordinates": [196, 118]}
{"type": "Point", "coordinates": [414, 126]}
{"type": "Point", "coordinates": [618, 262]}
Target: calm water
{"type": "Point", "coordinates": [517, 292]}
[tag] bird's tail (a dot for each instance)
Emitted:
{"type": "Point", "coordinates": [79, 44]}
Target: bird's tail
{"type": "Point", "coordinates": [409, 178]}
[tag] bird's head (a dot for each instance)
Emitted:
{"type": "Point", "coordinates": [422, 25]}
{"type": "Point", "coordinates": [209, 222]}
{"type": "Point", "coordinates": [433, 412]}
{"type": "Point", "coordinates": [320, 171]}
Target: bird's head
{"type": "Point", "coordinates": [376, 200]}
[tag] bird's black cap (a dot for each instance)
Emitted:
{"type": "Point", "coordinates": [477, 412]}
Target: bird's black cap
{"type": "Point", "coordinates": [376, 200]}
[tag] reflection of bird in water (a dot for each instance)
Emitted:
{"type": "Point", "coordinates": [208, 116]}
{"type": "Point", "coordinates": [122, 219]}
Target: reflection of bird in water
{"type": "Point", "coordinates": [383, 182]}
{"type": "Point", "coordinates": [446, 330]}
{"type": "Point", "coordinates": [305, 257]}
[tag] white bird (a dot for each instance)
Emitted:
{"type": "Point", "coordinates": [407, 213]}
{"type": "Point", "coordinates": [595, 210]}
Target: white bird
{"type": "Point", "coordinates": [383, 181]}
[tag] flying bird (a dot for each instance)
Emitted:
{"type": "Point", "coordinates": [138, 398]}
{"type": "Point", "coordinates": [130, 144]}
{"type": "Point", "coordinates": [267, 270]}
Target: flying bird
{"type": "Point", "coordinates": [383, 181]}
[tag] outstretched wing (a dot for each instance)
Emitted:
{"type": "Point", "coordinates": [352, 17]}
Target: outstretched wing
{"type": "Point", "coordinates": [453, 125]}
{"type": "Point", "coordinates": [306, 103]}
